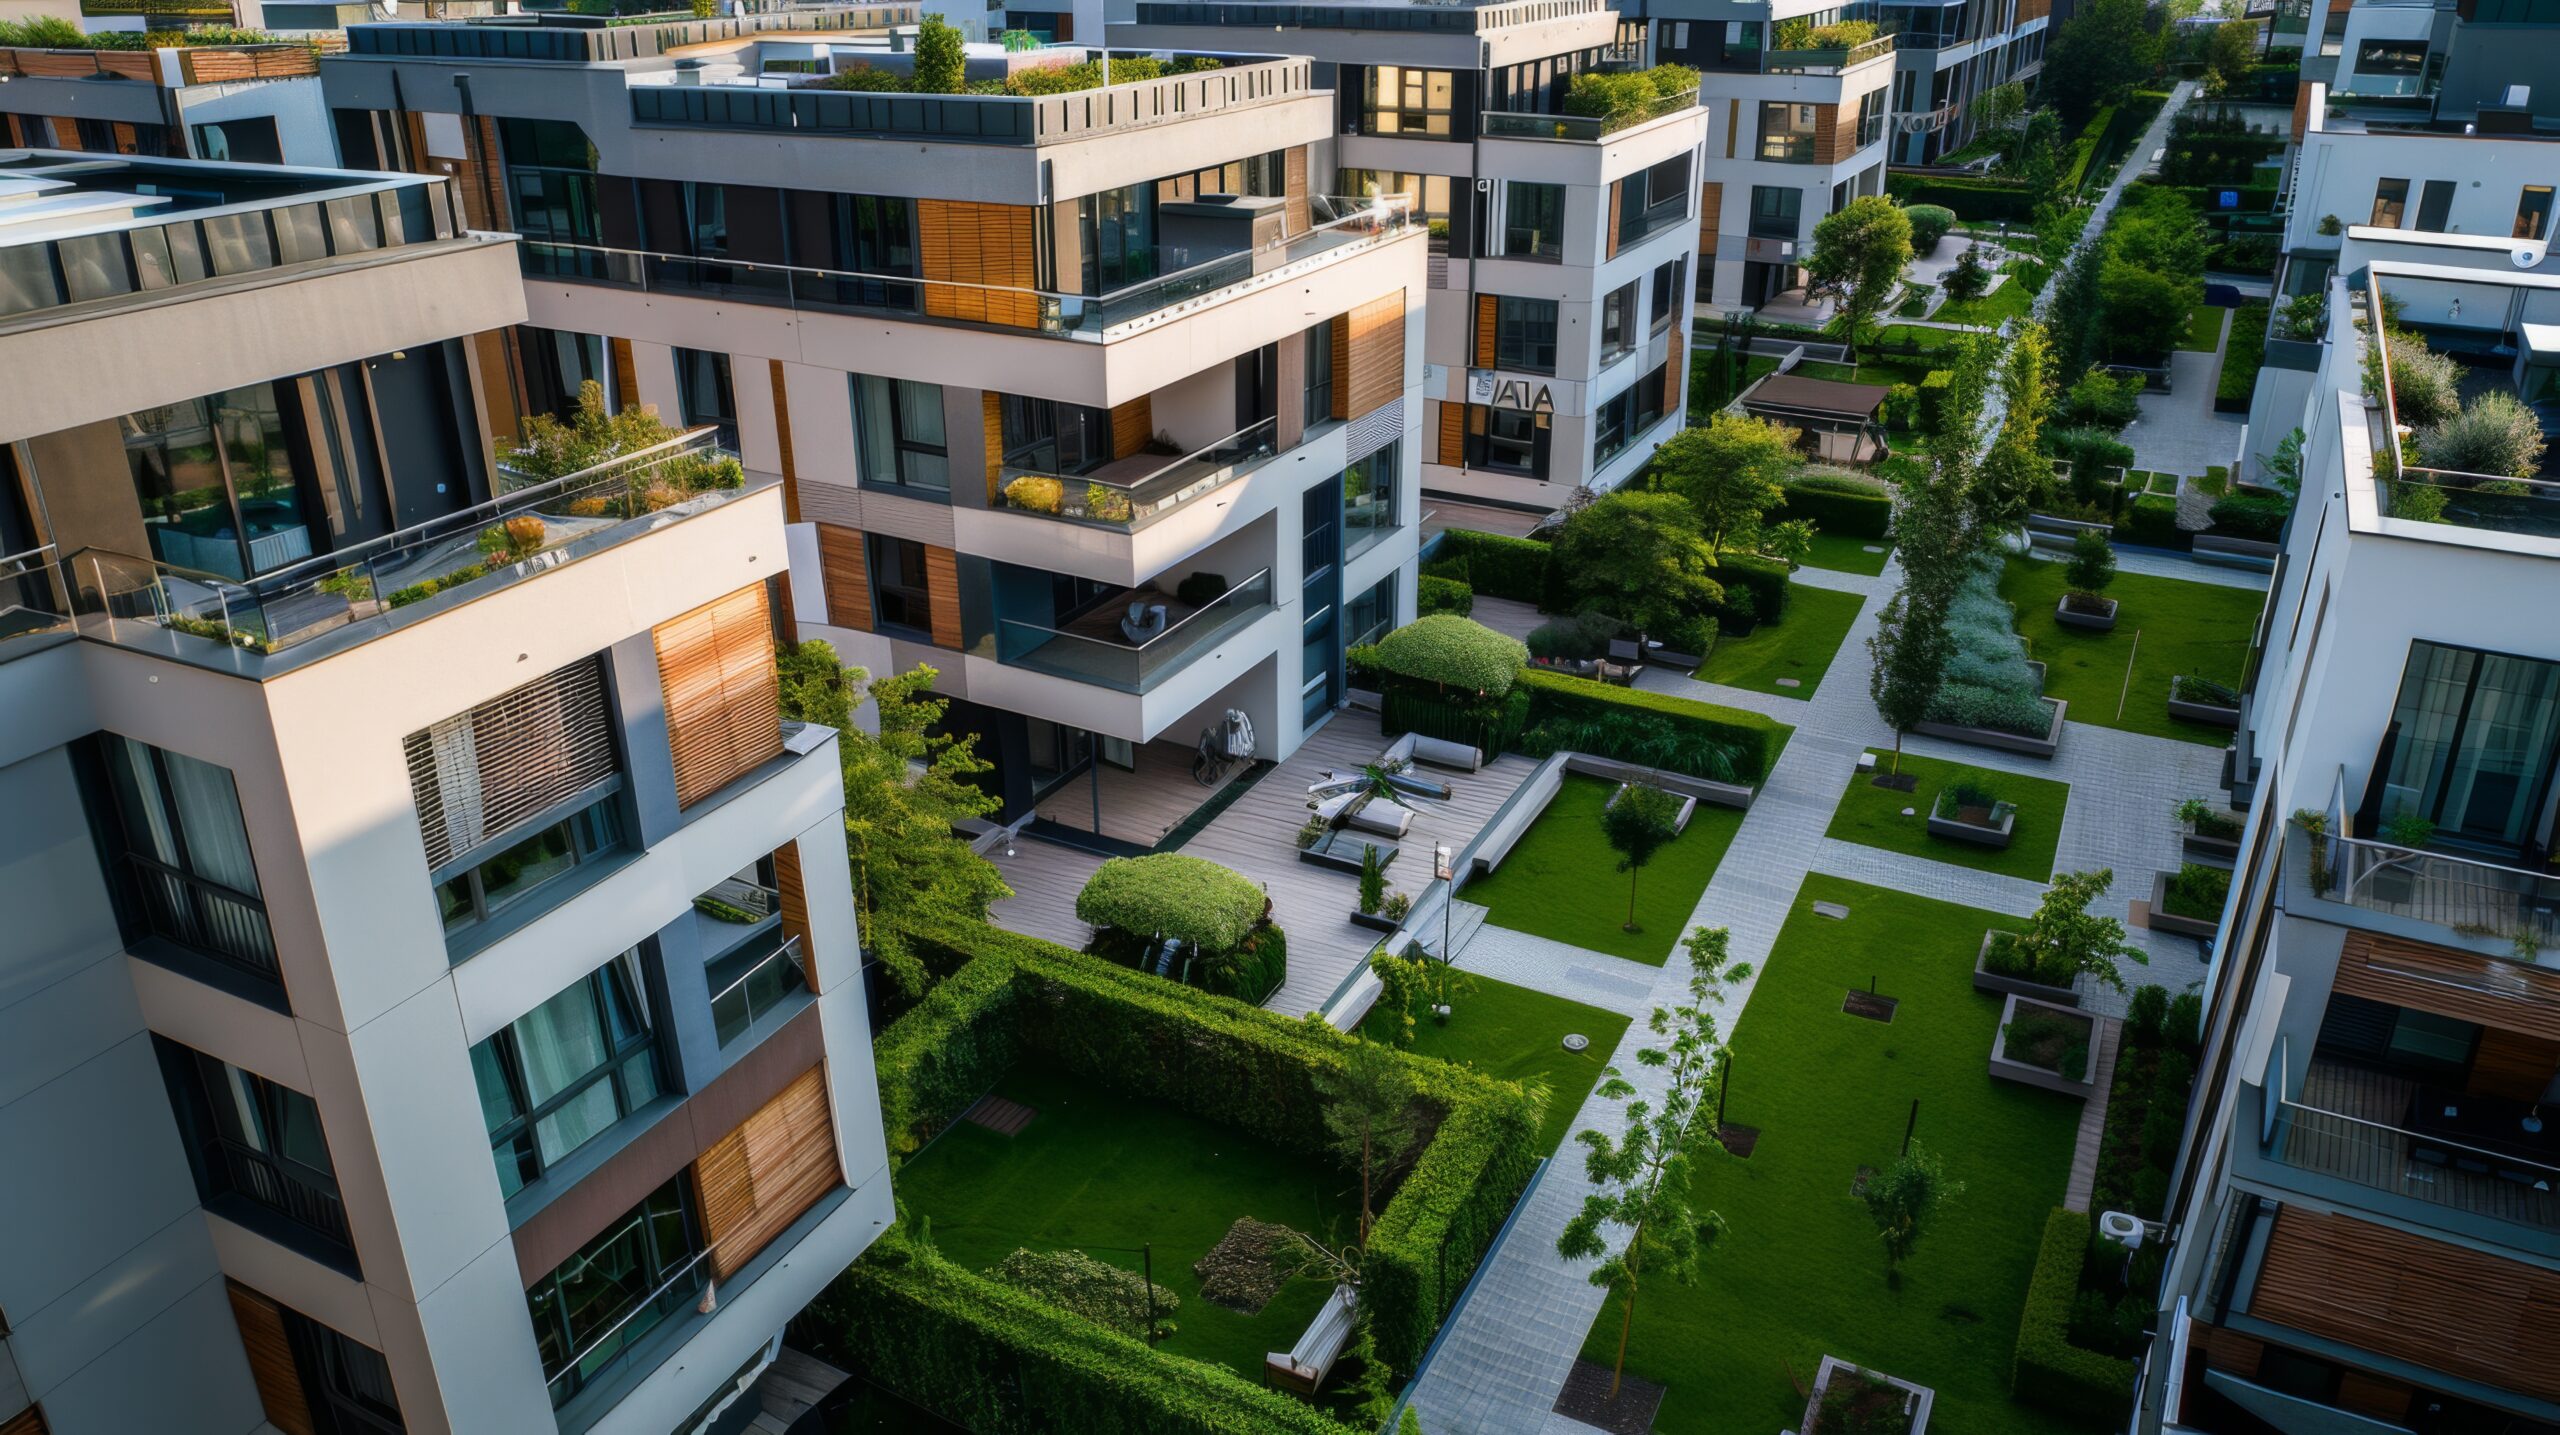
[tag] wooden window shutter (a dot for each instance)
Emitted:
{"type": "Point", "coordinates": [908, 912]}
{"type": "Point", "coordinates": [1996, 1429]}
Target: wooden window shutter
{"type": "Point", "coordinates": [271, 1364]}
{"type": "Point", "coordinates": [29, 1421]}
{"type": "Point", "coordinates": [495, 351]}
{"type": "Point", "coordinates": [1132, 424]}
{"type": "Point", "coordinates": [978, 245]}
{"type": "Point", "coordinates": [1671, 372]}
{"type": "Point", "coordinates": [723, 700]}
{"type": "Point", "coordinates": [1373, 361]}
{"type": "Point", "coordinates": [1488, 309]}
{"type": "Point", "coordinates": [479, 774]}
{"type": "Point", "coordinates": [846, 570]}
{"type": "Point", "coordinates": [942, 590]}
{"type": "Point", "coordinates": [1732, 125]}
{"type": "Point", "coordinates": [626, 376]}
{"type": "Point", "coordinates": [1338, 334]}
{"type": "Point", "coordinates": [1294, 186]}
{"type": "Point", "coordinates": [1617, 203]}
{"type": "Point", "coordinates": [991, 413]}
{"type": "Point", "coordinates": [755, 1181]}
{"type": "Point", "coordinates": [782, 437]}
{"type": "Point", "coordinates": [1453, 433]}
{"type": "Point", "coordinates": [1826, 132]}
{"type": "Point", "coordinates": [793, 892]}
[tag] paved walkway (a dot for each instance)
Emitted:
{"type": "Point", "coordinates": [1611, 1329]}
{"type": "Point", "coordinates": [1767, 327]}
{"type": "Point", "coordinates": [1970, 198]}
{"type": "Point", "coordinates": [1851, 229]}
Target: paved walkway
{"type": "Point", "coordinates": [2083, 1185]}
{"type": "Point", "coordinates": [2179, 432]}
{"type": "Point", "coordinates": [2137, 163]}
{"type": "Point", "coordinates": [1505, 1356]}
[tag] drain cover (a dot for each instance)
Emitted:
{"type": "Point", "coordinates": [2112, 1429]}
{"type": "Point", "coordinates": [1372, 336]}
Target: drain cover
{"type": "Point", "coordinates": [1790, 682]}
{"type": "Point", "coordinates": [1576, 1041]}
{"type": "Point", "coordinates": [1875, 548]}
{"type": "Point", "coordinates": [1833, 910]}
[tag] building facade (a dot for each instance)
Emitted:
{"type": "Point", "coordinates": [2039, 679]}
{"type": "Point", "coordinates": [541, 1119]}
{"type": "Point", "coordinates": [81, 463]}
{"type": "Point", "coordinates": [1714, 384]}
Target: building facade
{"type": "Point", "coordinates": [434, 995]}
{"type": "Point", "coordinates": [1947, 55]}
{"type": "Point", "coordinates": [254, 104]}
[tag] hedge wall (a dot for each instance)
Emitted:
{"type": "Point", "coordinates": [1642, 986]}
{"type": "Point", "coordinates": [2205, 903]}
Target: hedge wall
{"type": "Point", "coordinates": [1494, 727]}
{"type": "Point", "coordinates": [2050, 1372]}
{"type": "Point", "coordinates": [1443, 595]}
{"type": "Point", "coordinates": [1493, 564]}
{"type": "Point", "coordinates": [1759, 739]}
{"type": "Point", "coordinates": [1223, 1061]}
{"type": "Point", "coordinates": [1837, 511]}
{"type": "Point", "coordinates": [1765, 578]}
{"type": "Point", "coordinates": [2242, 358]}
{"type": "Point", "coordinates": [1971, 199]}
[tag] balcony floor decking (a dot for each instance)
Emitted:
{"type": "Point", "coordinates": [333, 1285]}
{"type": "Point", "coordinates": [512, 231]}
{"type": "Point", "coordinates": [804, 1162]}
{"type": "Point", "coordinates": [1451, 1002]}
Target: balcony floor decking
{"type": "Point", "coordinates": [1139, 804]}
{"type": "Point", "coordinates": [2374, 1156]}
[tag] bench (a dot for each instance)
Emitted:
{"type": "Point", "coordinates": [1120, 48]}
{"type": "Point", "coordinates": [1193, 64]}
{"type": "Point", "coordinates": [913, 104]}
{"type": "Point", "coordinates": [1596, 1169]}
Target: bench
{"type": "Point", "coordinates": [1437, 752]}
{"type": "Point", "coordinates": [1342, 851]}
{"type": "Point", "coordinates": [1303, 1367]}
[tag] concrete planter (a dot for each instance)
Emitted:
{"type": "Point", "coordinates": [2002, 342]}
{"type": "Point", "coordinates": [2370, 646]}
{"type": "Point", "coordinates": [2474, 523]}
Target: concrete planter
{"type": "Point", "coordinates": [2163, 920]}
{"type": "Point", "coordinates": [2025, 1075]}
{"type": "Point", "coordinates": [1994, 833]}
{"type": "Point", "coordinates": [1375, 921]}
{"type": "Point", "coordinates": [2071, 617]}
{"type": "Point", "coordinates": [1986, 980]}
{"type": "Point", "coordinates": [2045, 746]}
{"type": "Point", "coordinates": [2213, 713]}
{"type": "Point", "coordinates": [1916, 1398]}
{"type": "Point", "coordinates": [2211, 851]}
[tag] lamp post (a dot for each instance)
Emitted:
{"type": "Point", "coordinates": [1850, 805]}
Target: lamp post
{"type": "Point", "coordinates": [1448, 893]}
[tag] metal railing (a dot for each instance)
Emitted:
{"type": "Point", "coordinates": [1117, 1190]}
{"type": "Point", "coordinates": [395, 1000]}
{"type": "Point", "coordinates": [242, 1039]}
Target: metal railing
{"type": "Point", "coordinates": [1041, 311]}
{"type": "Point", "coordinates": [1824, 59]}
{"type": "Point", "coordinates": [1137, 502]}
{"type": "Point", "coordinates": [2498, 503]}
{"type": "Point", "coordinates": [756, 992]}
{"type": "Point", "coordinates": [2418, 1165]}
{"type": "Point", "coordinates": [659, 1303]}
{"type": "Point", "coordinates": [368, 581]}
{"type": "Point", "coordinates": [1515, 124]}
{"type": "Point", "coordinates": [205, 917]}
{"type": "Point", "coordinates": [307, 1198]}
{"type": "Point", "coordinates": [1133, 667]}
{"type": "Point", "coordinates": [31, 601]}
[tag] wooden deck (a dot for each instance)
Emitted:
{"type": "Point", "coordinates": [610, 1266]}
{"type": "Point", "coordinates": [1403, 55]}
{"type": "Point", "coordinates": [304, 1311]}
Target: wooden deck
{"type": "Point", "coordinates": [1045, 879]}
{"type": "Point", "coordinates": [1139, 804]}
{"type": "Point", "coordinates": [2377, 1154]}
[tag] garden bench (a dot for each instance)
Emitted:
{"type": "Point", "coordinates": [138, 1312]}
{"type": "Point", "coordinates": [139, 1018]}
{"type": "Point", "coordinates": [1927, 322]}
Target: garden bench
{"type": "Point", "coordinates": [1303, 1367]}
{"type": "Point", "coordinates": [1438, 752]}
{"type": "Point", "coordinates": [1390, 819]}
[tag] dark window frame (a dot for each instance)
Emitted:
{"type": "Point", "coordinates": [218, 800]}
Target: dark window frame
{"type": "Point", "coordinates": [900, 447]}
{"type": "Point", "coordinates": [1525, 334]}
{"type": "Point", "coordinates": [913, 594]}
{"type": "Point", "coordinates": [633, 1052]}
{"type": "Point", "coordinates": [252, 1177]}
{"type": "Point", "coordinates": [666, 1229]}
{"type": "Point", "coordinates": [1542, 236]}
{"type": "Point", "coordinates": [1319, 397]}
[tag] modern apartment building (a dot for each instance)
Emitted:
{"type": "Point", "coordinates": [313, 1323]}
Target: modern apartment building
{"type": "Point", "coordinates": [1796, 131]}
{"type": "Point", "coordinates": [2366, 1235]}
{"type": "Point", "coordinates": [431, 997]}
{"type": "Point", "coordinates": [1098, 403]}
{"type": "Point", "coordinates": [254, 104]}
{"type": "Point", "coordinates": [1946, 55]}
{"type": "Point", "coordinates": [1561, 249]}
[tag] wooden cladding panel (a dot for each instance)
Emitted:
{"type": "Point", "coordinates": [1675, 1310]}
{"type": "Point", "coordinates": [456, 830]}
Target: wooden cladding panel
{"type": "Point", "coordinates": [2373, 1395]}
{"type": "Point", "coordinates": [199, 65]}
{"type": "Point", "coordinates": [1487, 311]}
{"type": "Point", "coordinates": [723, 699]}
{"type": "Point", "coordinates": [66, 133]}
{"type": "Point", "coordinates": [1373, 362]}
{"type": "Point", "coordinates": [29, 1421]}
{"type": "Point", "coordinates": [758, 1179]}
{"type": "Point", "coordinates": [2512, 1065]}
{"type": "Point", "coordinates": [483, 206]}
{"type": "Point", "coordinates": [942, 588]}
{"type": "Point", "coordinates": [271, 1365]}
{"type": "Point", "coordinates": [1732, 126]}
{"type": "Point", "coordinates": [1671, 370]}
{"type": "Point", "coordinates": [793, 892]}
{"type": "Point", "coordinates": [1132, 424]}
{"type": "Point", "coordinates": [1338, 336]}
{"type": "Point", "coordinates": [2508, 996]}
{"type": "Point", "coordinates": [2034, 10]}
{"type": "Point", "coordinates": [1453, 432]}
{"type": "Point", "coordinates": [1294, 188]}
{"type": "Point", "coordinates": [846, 570]}
{"type": "Point", "coordinates": [1835, 133]}
{"type": "Point", "coordinates": [626, 375]}
{"type": "Point", "coordinates": [1291, 428]}
{"type": "Point", "coordinates": [2231, 1352]}
{"type": "Point", "coordinates": [1710, 214]}
{"type": "Point", "coordinates": [782, 439]}
{"type": "Point", "coordinates": [2442, 1306]}
{"type": "Point", "coordinates": [2301, 110]}
{"type": "Point", "coordinates": [991, 413]}
{"type": "Point", "coordinates": [986, 244]}
{"type": "Point", "coordinates": [1617, 206]}
{"type": "Point", "coordinates": [494, 353]}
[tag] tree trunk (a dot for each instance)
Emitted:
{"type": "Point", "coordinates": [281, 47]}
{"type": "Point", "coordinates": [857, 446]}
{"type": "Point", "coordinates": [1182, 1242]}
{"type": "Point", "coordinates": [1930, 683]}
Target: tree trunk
{"type": "Point", "coordinates": [1631, 899]}
{"type": "Point", "coordinates": [1897, 752]}
{"type": "Point", "coordinates": [1626, 1323]}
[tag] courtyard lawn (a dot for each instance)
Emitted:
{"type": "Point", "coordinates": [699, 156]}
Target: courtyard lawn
{"type": "Point", "coordinates": [1096, 1169]}
{"type": "Point", "coordinates": [1872, 816]}
{"type": "Point", "coordinates": [2204, 329]}
{"type": "Point", "coordinates": [2164, 627]}
{"type": "Point", "coordinates": [1842, 553]}
{"type": "Point", "coordinates": [2011, 300]}
{"type": "Point", "coordinates": [1800, 647]}
{"type": "Point", "coordinates": [1515, 1034]}
{"type": "Point", "coordinates": [1562, 879]}
{"type": "Point", "coordinates": [1799, 1273]}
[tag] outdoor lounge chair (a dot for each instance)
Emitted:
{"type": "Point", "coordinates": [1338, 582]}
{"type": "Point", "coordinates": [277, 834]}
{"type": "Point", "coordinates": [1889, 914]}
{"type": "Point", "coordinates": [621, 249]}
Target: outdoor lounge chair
{"type": "Point", "coordinates": [1390, 819]}
{"type": "Point", "coordinates": [1144, 621]}
{"type": "Point", "coordinates": [1304, 1366]}
{"type": "Point", "coordinates": [1436, 752]}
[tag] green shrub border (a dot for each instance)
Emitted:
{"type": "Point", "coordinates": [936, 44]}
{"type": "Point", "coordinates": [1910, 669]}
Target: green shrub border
{"type": "Point", "coordinates": [1848, 515]}
{"type": "Point", "coordinates": [1758, 739]}
{"type": "Point", "coordinates": [1493, 564]}
{"type": "Point", "coordinates": [1221, 1060]}
{"type": "Point", "coordinates": [2050, 1372]}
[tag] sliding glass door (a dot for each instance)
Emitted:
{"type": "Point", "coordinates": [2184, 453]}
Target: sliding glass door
{"type": "Point", "coordinates": [2475, 742]}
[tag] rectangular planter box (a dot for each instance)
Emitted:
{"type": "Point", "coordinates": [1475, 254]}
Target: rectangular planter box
{"type": "Point", "coordinates": [2036, 1076]}
{"type": "Point", "coordinates": [2214, 713]}
{"type": "Point", "coordinates": [1985, 980]}
{"type": "Point", "coordinates": [2163, 920]}
{"type": "Point", "coordinates": [2045, 746]}
{"type": "Point", "coordinates": [1922, 1397]}
{"type": "Point", "coordinates": [1375, 921]}
{"type": "Point", "coordinates": [2071, 617]}
{"type": "Point", "coordinates": [2211, 851]}
{"type": "Point", "coordinates": [1955, 829]}
{"type": "Point", "coordinates": [2221, 545]}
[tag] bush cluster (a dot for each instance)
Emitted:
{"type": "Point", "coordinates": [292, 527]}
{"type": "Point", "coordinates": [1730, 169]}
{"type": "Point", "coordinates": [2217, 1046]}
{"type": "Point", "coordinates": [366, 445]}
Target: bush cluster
{"type": "Point", "coordinates": [1929, 224]}
{"type": "Point", "coordinates": [2152, 519]}
{"type": "Point", "coordinates": [2244, 515]}
{"type": "Point", "coordinates": [2242, 357]}
{"type": "Point", "coordinates": [1846, 505]}
{"type": "Point", "coordinates": [1986, 682]}
{"type": "Point", "coordinates": [1174, 895]}
{"type": "Point", "coordinates": [1448, 652]}
{"type": "Point", "coordinates": [1620, 99]}
{"type": "Point", "coordinates": [1755, 741]}
{"type": "Point", "coordinates": [1443, 595]}
{"type": "Point", "coordinates": [2049, 1371]}
{"type": "Point", "coordinates": [1492, 564]}
{"type": "Point", "coordinates": [1766, 582]}
{"type": "Point", "coordinates": [1972, 199]}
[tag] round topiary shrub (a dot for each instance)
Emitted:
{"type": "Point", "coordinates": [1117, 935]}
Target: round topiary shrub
{"type": "Point", "coordinates": [1929, 224]}
{"type": "Point", "coordinates": [1168, 894]}
{"type": "Point", "coordinates": [1448, 651]}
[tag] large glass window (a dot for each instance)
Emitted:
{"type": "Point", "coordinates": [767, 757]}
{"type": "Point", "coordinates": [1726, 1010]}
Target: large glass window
{"type": "Point", "coordinates": [1524, 334]}
{"type": "Point", "coordinates": [1777, 212]}
{"type": "Point", "coordinates": [1403, 100]}
{"type": "Point", "coordinates": [348, 1383]}
{"type": "Point", "coordinates": [900, 598]}
{"type": "Point", "coordinates": [1046, 436]}
{"type": "Point", "coordinates": [248, 139]}
{"type": "Point", "coordinates": [1618, 322]}
{"type": "Point", "coordinates": [2390, 201]}
{"type": "Point", "coordinates": [1653, 199]}
{"type": "Point", "coordinates": [1118, 229]}
{"type": "Point", "coordinates": [257, 1151]}
{"type": "Point", "coordinates": [1508, 440]}
{"type": "Point", "coordinates": [217, 481]}
{"type": "Point", "coordinates": [551, 194]}
{"type": "Point", "coordinates": [492, 884]}
{"type": "Point", "coordinates": [902, 434]}
{"type": "Point", "coordinates": [597, 1304]}
{"type": "Point", "coordinates": [2472, 742]}
{"type": "Point", "coordinates": [702, 382]}
{"type": "Point", "coordinates": [182, 855]}
{"type": "Point", "coordinates": [1429, 193]}
{"type": "Point", "coordinates": [2391, 57]}
{"type": "Point", "coordinates": [1264, 175]}
{"type": "Point", "coordinates": [1369, 499]}
{"type": "Point", "coordinates": [2435, 205]}
{"type": "Point", "coordinates": [1871, 116]}
{"type": "Point", "coordinates": [1532, 220]}
{"type": "Point", "coordinates": [556, 363]}
{"type": "Point", "coordinates": [566, 1071]}
{"type": "Point", "coordinates": [1319, 373]}
{"type": "Point", "coordinates": [2533, 212]}
{"type": "Point", "coordinates": [1627, 415]}
{"type": "Point", "coordinates": [1786, 132]}
{"type": "Point", "coordinates": [1368, 618]}
{"type": "Point", "coordinates": [1668, 281]}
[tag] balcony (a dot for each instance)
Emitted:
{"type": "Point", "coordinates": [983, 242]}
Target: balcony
{"type": "Point", "coordinates": [1587, 129]}
{"type": "Point", "coordinates": [1129, 494]}
{"type": "Point", "coordinates": [2483, 907]}
{"type": "Point", "coordinates": [1097, 648]}
{"type": "Point", "coordinates": [1832, 60]}
{"type": "Point", "coordinates": [2408, 490]}
{"type": "Point", "coordinates": [2359, 1125]}
{"type": "Point", "coordinates": [33, 615]}
{"type": "Point", "coordinates": [753, 986]}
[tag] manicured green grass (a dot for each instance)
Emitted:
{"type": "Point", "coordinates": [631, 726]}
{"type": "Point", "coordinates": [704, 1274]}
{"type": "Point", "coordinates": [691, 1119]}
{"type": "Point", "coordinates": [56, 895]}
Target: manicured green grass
{"type": "Point", "coordinates": [1843, 554]}
{"type": "Point", "coordinates": [1816, 369]}
{"type": "Point", "coordinates": [1801, 647]}
{"type": "Point", "coordinates": [2204, 329]}
{"type": "Point", "coordinates": [1799, 1273]}
{"type": "Point", "coordinates": [2182, 627]}
{"type": "Point", "coordinates": [1515, 1034]}
{"type": "Point", "coordinates": [1872, 816]}
{"type": "Point", "coordinates": [1562, 879]}
{"type": "Point", "coordinates": [1096, 1169]}
{"type": "Point", "coordinates": [2010, 301]}
{"type": "Point", "coordinates": [1920, 334]}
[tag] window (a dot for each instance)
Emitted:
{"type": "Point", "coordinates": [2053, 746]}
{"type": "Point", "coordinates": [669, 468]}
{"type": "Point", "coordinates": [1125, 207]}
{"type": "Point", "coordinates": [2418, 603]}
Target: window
{"type": "Point", "coordinates": [702, 380]}
{"type": "Point", "coordinates": [1264, 175]}
{"type": "Point", "coordinates": [1405, 101]}
{"type": "Point", "coordinates": [556, 363]}
{"type": "Point", "coordinates": [1618, 322]}
{"type": "Point", "coordinates": [181, 858]}
{"type": "Point", "coordinates": [1118, 229]}
{"type": "Point", "coordinates": [856, 235]}
{"type": "Point", "coordinates": [219, 481]}
{"type": "Point", "coordinates": [2435, 205]}
{"type": "Point", "coordinates": [258, 1152]}
{"type": "Point", "coordinates": [1368, 617]}
{"type": "Point", "coordinates": [1524, 334]}
{"type": "Point", "coordinates": [1046, 436]}
{"type": "Point", "coordinates": [495, 785]}
{"type": "Point", "coordinates": [1428, 192]}
{"type": "Point", "coordinates": [566, 1071]}
{"type": "Point", "coordinates": [1508, 440]}
{"type": "Point", "coordinates": [1777, 212]}
{"type": "Point", "coordinates": [2533, 213]}
{"type": "Point", "coordinates": [1667, 281]}
{"type": "Point", "coordinates": [2474, 735]}
{"type": "Point", "coordinates": [1653, 199]}
{"type": "Point", "coordinates": [2391, 57]}
{"type": "Point", "coordinates": [899, 596]}
{"type": "Point", "coordinates": [250, 139]}
{"type": "Point", "coordinates": [1319, 373]}
{"type": "Point", "coordinates": [1532, 220]}
{"type": "Point", "coordinates": [1369, 499]}
{"type": "Point", "coordinates": [597, 1304]}
{"type": "Point", "coordinates": [2390, 199]}
{"type": "Point", "coordinates": [1871, 116]}
{"type": "Point", "coordinates": [551, 193]}
{"type": "Point", "coordinates": [1786, 132]}
{"type": "Point", "coordinates": [1633, 410]}
{"type": "Point", "coordinates": [900, 425]}
{"type": "Point", "coordinates": [489, 886]}
{"type": "Point", "coordinates": [348, 1384]}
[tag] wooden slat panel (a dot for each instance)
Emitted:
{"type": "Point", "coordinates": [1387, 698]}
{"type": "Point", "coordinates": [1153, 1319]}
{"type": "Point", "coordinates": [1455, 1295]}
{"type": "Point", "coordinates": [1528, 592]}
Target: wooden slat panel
{"type": "Point", "coordinates": [1710, 214]}
{"type": "Point", "coordinates": [2232, 1352]}
{"type": "Point", "coordinates": [2507, 995]}
{"type": "Point", "coordinates": [626, 375]}
{"type": "Point", "coordinates": [2301, 109]}
{"type": "Point", "coordinates": [1338, 332]}
{"type": "Point", "coordinates": [66, 132]}
{"type": "Point", "coordinates": [2374, 1395]}
{"type": "Point", "coordinates": [2512, 1065]}
{"type": "Point", "coordinates": [1732, 126]}
{"type": "Point", "coordinates": [757, 1180]}
{"type": "Point", "coordinates": [29, 1421]}
{"type": "Point", "coordinates": [847, 572]}
{"type": "Point", "coordinates": [723, 701]}
{"type": "Point", "coordinates": [1132, 424]}
{"type": "Point", "coordinates": [1487, 306]}
{"type": "Point", "coordinates": [494, 352]}
{"type": "Point", "coordinates": [972, 243]}
{"type": "Point", "coordinates": [1671, 369]}
{"type": "Point", "coordinates": [1830, 145]}
{"type": "Point", "coordinates": [2442, 1306]}
{"type": "Point", "coordinates": [1375, 354]}
{"type": "Point", "coordinates": [1294, 187]}
{"type": "Point", "coordinates": [1291, 427]}
{"type": "Point", "coordinates": [782, 437]}
{"type": "Point", "coordinates": [942, 589]}
{"type": "Point", "coordinates": [793, 892]}
{"type": "Point", "coordinates": [991, 412]}
{"type": "Point", "coordinates": [271, 1361]}
{"type": "Point", "coordinates": [1453, 432]}
{"type": "Point", "coordinates": [1617, 203]}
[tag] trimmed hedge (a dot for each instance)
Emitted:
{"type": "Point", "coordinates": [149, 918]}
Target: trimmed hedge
{"type": "Point", "coordinates": [1442, 595]}
{"type": "Point", "coordinates": [2152, 519]}
{"type": "Point", "coordinates": [1840, 510]}
{"type": "Point", "coordinates": [1493, 727]}
{"type": "Point", "coordinates": [1764, 578]}
{"type": "Point", "coordinates": [1971, 199]}
{"type": "Point", "coordinates": [1757, 740]}
{"type": "Point", "coordinates": [1933, 388]}
{"type": "Point", "coordinates": [1223, 1061]}
{"type": "Point", "coordinates": [1493, 564]}
{"type": "Point", "coordinates": [2049, 1371]}
{"type": "Point", "coordinates": [2242, 358]}
{"type": "Point", "coordinates": [2244, 516]}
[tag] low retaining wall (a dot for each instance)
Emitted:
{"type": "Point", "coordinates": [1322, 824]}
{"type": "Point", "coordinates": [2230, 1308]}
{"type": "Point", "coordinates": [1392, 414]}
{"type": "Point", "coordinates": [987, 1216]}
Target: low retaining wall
{"type": "Point", "coordinates": [2045, 746]}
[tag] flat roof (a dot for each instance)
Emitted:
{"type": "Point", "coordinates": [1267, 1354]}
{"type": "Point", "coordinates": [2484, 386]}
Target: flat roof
{"type": "Point", "coordinates": [1819, 396]}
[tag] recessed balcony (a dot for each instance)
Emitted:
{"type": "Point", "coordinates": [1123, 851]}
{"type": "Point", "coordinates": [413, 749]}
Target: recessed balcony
{"type": "Point", "coordinates": [1131, 642]}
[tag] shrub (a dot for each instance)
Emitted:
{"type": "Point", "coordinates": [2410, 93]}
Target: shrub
{"type": "Point", "coordinates": [2092, 453]}
{"type": "Point", "coordinates": [2196, 890]}
{"type": "Point", "coordinates": [1970, 198]}
{"type": "Point", "coordinates": [1575, 637]}
{"type": "Point", "coordinates": [2188, 688]}
{"type": "Point", "coordinates": [1116, 1299]}
{"type": "Point", "coordinates": [1766, 581]}
{"type": "Point", "coordinates": [868, 79]}
{"type": "Point", "coordinates": [2049, 1372]}
{"type": "Point", "coordinates": [2247, 516]}
{"type": "Point", "coordinates": [941, 58]}
{"type": "Point", "coordinates": [2144, 1016]}
{"type": "Point", "coordinates": [1173, 895]}
{"type": "Point", "coordinates": [2493, 434]}
{"type": "Point", "coordinates": [1443, 595]}
{"type": "Point", "coordinates": [2425, 385]}
{"type": "Point", "coordinates": [1845, 505]}
{"type": "Point", "coordinates": [2153, 519]}
{"type": "Point", "coordinates": [1933, 395]}
{"type": "Point", "coordinates": [1494, 564]}
{"type": "Point", "coordinates": [1621, 99]}
{"type": "Point", "coordinates": [2098, 399]}
{"type": "Point", "coordinates": [1970, 278]}
{"type": "Point", "coordinates": [1929, 224]}
{"type": "Point", "coordinates": [1036, 494]}
{"type": "Point", "coordinates": [2243, 356]}
{"type": "Point", "coordinates": [1755, 740]}
{"type": "Point", "coordinates": [1448, 651]}
{"type": "Point", "coordinates": [2185, 1022]}
{"type": "Point", "coordinates": [2093, 563]}
{"type": "Point", "coordinates": [2142, 313]}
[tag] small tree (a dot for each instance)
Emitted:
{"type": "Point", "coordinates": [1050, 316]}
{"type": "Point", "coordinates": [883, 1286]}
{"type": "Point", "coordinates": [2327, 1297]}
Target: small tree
{"type": "Point", "coordinates": [2283, 468]}
{"type": "Point", "coordinates": [1639, 557]}
{"type": "Point", "coordinates": [1731, 469]}
{"type": "Point", "coordinates": [1859, 251]}
{"type": "Point", "coordinates": [1902, 1198]}
{"type": "Point", "coordinates": [1368, 1113]}
{"type": "Point", "coordinates": [2092, 567]}
{"type": "Point", "coordinates": [2229, 50]}
{"type": "Point", "coordinates": [1373, 881]}
{"type": "Point", "coordinates": [2001, 107]}
{"type": "Point", "coordinates": [1910, 653]}
{"type": "Point", "coordinates": [1641, 1179]}
{"type": "Point", "coordinates": [1970, 278]}
{"type": "Point", "coordinates": [1640, 823]}
{"type": "Point", "coordinates": [2064, 939]}
{"type": "Point", "coordinates": [941, 58]}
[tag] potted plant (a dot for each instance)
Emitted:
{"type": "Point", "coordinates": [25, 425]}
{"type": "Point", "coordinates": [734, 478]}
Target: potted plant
{"type": "Point", "coordinates": [2395, 877]}
{"type": "Point", "coordinates": [2062, 943]}
{"type": "Point", "coordinates": [1373, 893]}
{"type": "Point", "coordinates": [2091, 569]}
{"type": "Point", "coordinates": [1967, 811]}
{"type": "Point", "coordinates": [2213, 836]}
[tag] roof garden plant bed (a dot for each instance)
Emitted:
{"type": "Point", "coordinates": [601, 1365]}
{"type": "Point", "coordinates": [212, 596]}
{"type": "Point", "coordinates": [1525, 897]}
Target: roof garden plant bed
{"type": "Point", "coordinates": [2212, 837]}
{"type": "Point", "coordinates": [2189, 900]}
{"type": "Point", "coordinates": [2002, 968]}
{"type": "Point", "coordinates": [2195, 699]}
{"type": "Point", "coordinates": [2087, 612]}
{"type": "Point", "coordinates": [1850, 1401]}
{"type": "Point", "coordinates": [1874, 813]}
{"type": "Point", "coordinates": [2043, 1045]}
{"type": "Point", "coordinates": [1969, 812]}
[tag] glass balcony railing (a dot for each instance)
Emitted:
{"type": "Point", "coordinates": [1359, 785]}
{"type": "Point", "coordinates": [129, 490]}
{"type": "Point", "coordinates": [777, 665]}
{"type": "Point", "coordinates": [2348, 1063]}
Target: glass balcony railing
{"type": "Point", "coordinates": [1824, 60]}
{"type": "Point", "coordinates": [31, 604]}
{"type": "Point", "coordinates": [2371, 1126]}
{"type": "Point", "coordinates": [1512, 124]}
{"type": "Point", "coordinates": [1131, 503]}
{"type": "Point", "coordinates": [755, 992]}
{"type": "Point", "coordinates": [2529, 506]}
{"type": "Point", "coordinates": [1123, 665]}
{"type": "Point", "coordinates": [2482, 906]}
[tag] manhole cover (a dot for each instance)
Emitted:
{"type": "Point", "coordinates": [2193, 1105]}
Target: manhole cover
{"type": "Point", "coordinates": [1833, 910]}
{"type": "Point", "coordinates": [1576, 1041]}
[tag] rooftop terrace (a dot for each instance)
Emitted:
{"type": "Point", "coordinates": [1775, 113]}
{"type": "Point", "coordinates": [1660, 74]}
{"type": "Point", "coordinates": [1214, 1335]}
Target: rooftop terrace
{"type": "Point", "coordinates": [2507, 355]}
